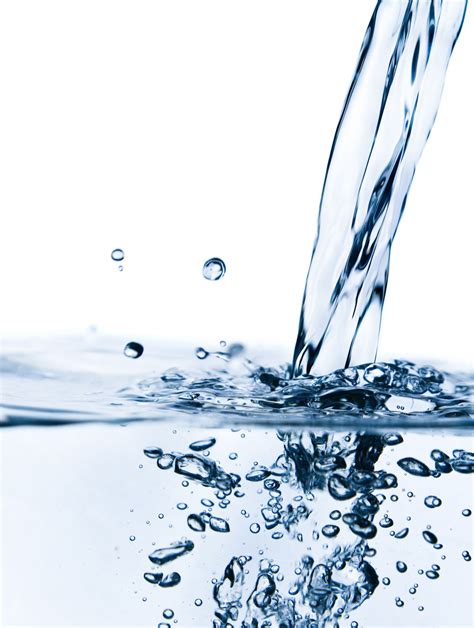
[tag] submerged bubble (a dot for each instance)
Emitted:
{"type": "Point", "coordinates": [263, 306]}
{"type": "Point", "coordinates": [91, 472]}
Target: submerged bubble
{"type": "Point", "coordinates": [432, 501]}
{"type": "Point", "coordinates": [170, 580]}
{"type": "Point", "coordinates": [466, 555]}
{"type": "Point", "coordinates": [330, 531]}
{"type": "Point", "coordinates": [167, 554]}
{"type": "Point", "coordinates": [153, 578]}
{"type": "Point", "coordinates": [198, 602]}
{"type": "Point", "coordinates": [153, 452]}
{"type": "Point", "coordinates": [414, 467]}
{"type": "Point", "coordinates": [429, 537]}
{"type": "Point", "coordinates": [255, 528]}
{"type": "Point", "coordinates": [466, 512]}
{"type": "Point", "coordinates": [201, 445]}
{"type": "Point", "coordinates": [219, 525]}
{"type": "Point", "coordinates": [201, 353]}
{"type": "Point", "coordinates": [214, 269]}
{"type": "Point", "coordinates": [168, 613]}
{"type": "Point", "coordinates": [133, 350]}
{"type": "Point", "coordinates": [401, 566]}
{"type": "Point", "coordinates": [196, 523]}
{"type": "Point", "coordinates": [117, 255]}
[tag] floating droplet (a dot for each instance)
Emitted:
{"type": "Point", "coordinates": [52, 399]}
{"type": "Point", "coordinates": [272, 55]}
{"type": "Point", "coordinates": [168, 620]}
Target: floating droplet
{"type": "Point", "coordinates": [214, 269]}
{"type": "Point", "coordinates": [257, 475]}
{"type": "Point", "coordinates": [201, 445]}
{"type": "Point", "coordinates": [181, 506]}
{"type": "Point", "coordinates": [399, 602]}
{"type": "Point", "coordinates": [335, 514]}
{"type": "Point", "coordinates": [153, 578]}
{"type": "Point", "coordinates": [133, 350]}
{"type": "Point", "coordinates": [432, 501]}
{"type": "Point", "coordinates": [401, 566]}
{"type": "Point", "coordinates": [233, 455]}
{"type": "Point", "coordinates": [402, 534]}
{"type": "Point", "coordinates": [432, 575]}
{"type": "Point", "coordinates": [466, 512]}
{"type": "Point", "coordinates": [466, 555]}
{"type": "Point", "coordinates": [198, 602]}
{"type": "Point", "coordinates": [255, 528]}
{"type": "Point", "coordinates": [386, 581]}
{"type": "Point", "coordinates": [168, 613]}
{"type": "Point", "coordinates": [117, 255]}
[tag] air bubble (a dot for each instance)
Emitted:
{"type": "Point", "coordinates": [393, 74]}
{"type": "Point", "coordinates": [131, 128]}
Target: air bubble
{"type": "Point", "coordinates": [117, 255]}
{"type": "Point", "coordinates": [181, 506]}
{"type": "Point", "coordinates": [401, 566]}
{"type": "Point", "coordinates": [133, 350]}
{"type": "Point", "coordinates": [214, 269]}
{"type": "Point", "coordinates": [255, 528]}
{"type": "Point", "coordinates": [201, 353]}
{"type": "Point", "coordinates": [198, 602]}
{"type": "Point", "coordinates": [201, 445]}
{"type": "Point", "coordinates": [432, 501]}
{"type": "Point", "coordinates": [466, 512]}
{"type": "Point", "coordinates": [330, 531]}
{"type": "Point", "coordinates": [168, 613]}
{"type": "Point", "coordinates": [466, 556]}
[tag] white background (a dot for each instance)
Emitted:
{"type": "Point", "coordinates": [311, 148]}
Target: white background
{"type": "Point", "coordinates": [182, 130]}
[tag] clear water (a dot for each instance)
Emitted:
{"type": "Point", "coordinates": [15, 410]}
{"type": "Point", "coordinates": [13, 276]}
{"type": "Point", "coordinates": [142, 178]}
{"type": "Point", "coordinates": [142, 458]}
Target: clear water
{"type": "Point", "coordinates": [385, 122]}
{"type": "Point", "coordinates": [223, 487]}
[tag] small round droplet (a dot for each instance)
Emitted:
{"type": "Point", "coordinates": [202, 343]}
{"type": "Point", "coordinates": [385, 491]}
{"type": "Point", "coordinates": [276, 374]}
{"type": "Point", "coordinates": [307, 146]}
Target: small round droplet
{"type": "Point", "coordinates": [132, 538]}
{"type": "Point", "coordinates": [181, 506]}
{"type": "Point", "coordinates": [168, 613]}
{"type": "Point", "coordinates": [233, 455]}
{"type": "Point", "coordinates": [255, 528]}
{"type": "Point", "coordinates": [201, 353]}
{"type": "Point", "coordinates": [214, 269]}
{"type": "Point", "coordinates": [421, 608]}
{"type": "Point", "coordinates": [117, 255]}
{"type": "Point", "coordinates": [330, 531]}
{"type": "Point", "coordinates": [466, 556]}
{"type": "Point", "coordinates": [386, 581]}
{"type": "Point", "coordinates": [466, 512]}
{"type": "Point", "coordinates": [401, 566]}
{"type": "Point", "coordinates": [133, 350]}
{"type": "Point", "coordinates": [429, 537]}
{"type": "Point", "coordinates": [198, 602]}
{"type": "Point", "coordinates": [399, 602]}
{"type": "Point", "coordinates": [432, 501]}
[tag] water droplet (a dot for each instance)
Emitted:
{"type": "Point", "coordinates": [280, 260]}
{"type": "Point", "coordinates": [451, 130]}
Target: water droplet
{"type": "Point", "coordinates": [386, 581]}
{"type": "Point", "coordinates": [401, 566]}
{"type": "Point", "coordinates": [432, 501]}
{"type": "Point", "coordinates": [208, 503]}
{"type": "Point", "coordinates": [335, 514]}
{"type": "Point", "coordinates": [133, 350]}
{"type": "Point", "coordinates": [181, 506]}
{"type": "Point", "coordinates": [198, 602]}
{"type": "Point", "coordinates": [466, 555]}
{"type": "Point", "coordinates": [277, 535]}
{"type": "Point", "coordinates": [168, 613]}
{"type": "Point", "coordinates": [214, 269]}
{"type": "Point", "coordinates": [233, 456]}
{"type": "Point", "coordinates": [171, 580]}
{"type": "Point", "coordinates": [466, 512]}
{"type": "Point", "coordinates": [402, 534]}
{"type": "Point", "coordinates": [255, 528]}
{"type": "Point", "coordinates": [117, 255]}
{"type": "Point", "coordinates": [201, 445]}
{"type": "Point", "coordinates": [144, 599]}
{"type": "Point", "coordinates": [421, 608]}
{"type": "Point", "coordinates": [132, 538]}
{"type": "Point", "coordinates": [399, 602]}
{"type": "Point", "coordinates": [392, 439]}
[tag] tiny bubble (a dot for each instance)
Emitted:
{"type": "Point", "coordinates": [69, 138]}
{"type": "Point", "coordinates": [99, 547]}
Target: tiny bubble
{"type": "Point", "coordinates": [133, 350]}
{"type": "Point", "coordinates": [466, 512]}
{"type": "Point", "coordinates": [117, 255]}
{"type": "Point", "coordinates": [214, 269]}
{"type": "Point", "coordinates": [168, 613]}
{"type": "Point", "coordinates": [201, 353]}
{"type": "Point", "coordinates": [132, 538]}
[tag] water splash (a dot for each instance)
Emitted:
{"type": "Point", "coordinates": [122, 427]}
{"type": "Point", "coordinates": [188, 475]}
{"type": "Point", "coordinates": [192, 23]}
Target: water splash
{"type": "Point", "coordinates": [385, 123]}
